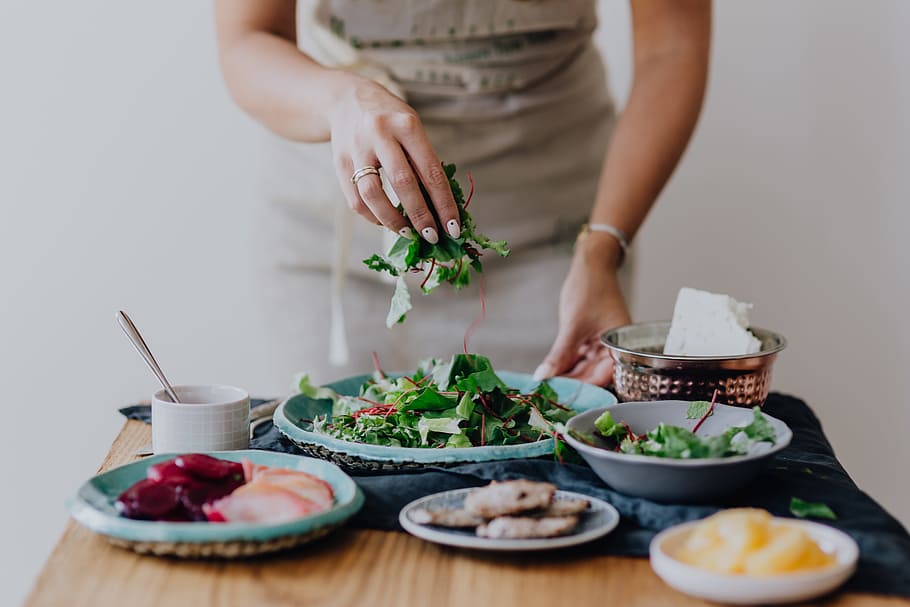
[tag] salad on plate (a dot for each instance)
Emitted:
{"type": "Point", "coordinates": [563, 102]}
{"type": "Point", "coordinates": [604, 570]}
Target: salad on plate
{"type": "Point", "coordinates": [457, 403]}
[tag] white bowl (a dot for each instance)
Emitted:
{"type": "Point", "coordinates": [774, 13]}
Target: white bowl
{"type": "Point", "coordinates": [749, 590]}
{"type": "Point", "coordinates": [665, 479]}
{"type": "Point", "coordinates": [207, 418]}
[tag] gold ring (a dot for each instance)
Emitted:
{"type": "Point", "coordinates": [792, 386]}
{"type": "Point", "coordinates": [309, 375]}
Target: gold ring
{"type": "Point", "coordinates": [369, 170]}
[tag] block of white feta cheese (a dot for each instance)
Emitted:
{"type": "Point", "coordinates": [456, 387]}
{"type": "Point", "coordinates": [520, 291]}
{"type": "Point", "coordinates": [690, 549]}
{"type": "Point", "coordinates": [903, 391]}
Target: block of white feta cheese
{"type": "Point", "coordinates": [709, 324]}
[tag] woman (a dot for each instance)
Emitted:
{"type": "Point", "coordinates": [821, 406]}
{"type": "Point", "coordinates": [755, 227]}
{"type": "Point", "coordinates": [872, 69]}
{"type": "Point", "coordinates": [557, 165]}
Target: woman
{"type": "Point", "coordinates": [512, 91]}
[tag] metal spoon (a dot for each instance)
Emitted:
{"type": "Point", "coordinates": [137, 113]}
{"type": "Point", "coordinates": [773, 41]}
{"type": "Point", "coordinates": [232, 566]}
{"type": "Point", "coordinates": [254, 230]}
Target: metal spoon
{"type": "Point", "coordinates": [133, 334]}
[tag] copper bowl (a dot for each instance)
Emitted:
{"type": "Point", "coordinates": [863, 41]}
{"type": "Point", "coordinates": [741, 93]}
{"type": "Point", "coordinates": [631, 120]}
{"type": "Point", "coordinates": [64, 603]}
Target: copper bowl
{"type": "Point", "coordinates": [643, 372]}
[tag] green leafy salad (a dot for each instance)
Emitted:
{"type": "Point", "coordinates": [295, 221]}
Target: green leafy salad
{"type": "Point", "coordinates": [679, 443]}
{"type": "Point", "coordinates": [450, 260]}
{"type": "Point", "coordinates": [458, 403]}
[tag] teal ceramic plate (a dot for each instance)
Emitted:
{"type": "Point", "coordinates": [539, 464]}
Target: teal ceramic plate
{"type": "Point", "coordinates": [293, 419]}
{"type": "Point", "coordinates": [93, 507]}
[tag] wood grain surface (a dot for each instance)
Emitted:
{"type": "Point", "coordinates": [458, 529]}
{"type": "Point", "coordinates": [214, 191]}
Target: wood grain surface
{"type": "Point", "coordinates": [352, 567]}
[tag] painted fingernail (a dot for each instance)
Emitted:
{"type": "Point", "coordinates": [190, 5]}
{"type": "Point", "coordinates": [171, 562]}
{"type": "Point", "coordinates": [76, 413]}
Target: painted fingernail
{"type": "Point", "coordinates": [544, 371]}
{"type": "Point", "coordinates": [406, 232]}
{"type": "Point", "coordinates": [453, 228]}
{"type": "Point", "coordinates": [430, 235]}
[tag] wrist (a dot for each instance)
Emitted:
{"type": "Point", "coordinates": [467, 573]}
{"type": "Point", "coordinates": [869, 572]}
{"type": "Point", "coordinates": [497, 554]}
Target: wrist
{"type": "Point", "coordinates": [341, 90]}
{"type": "Point", "coordinates": [599, 250]}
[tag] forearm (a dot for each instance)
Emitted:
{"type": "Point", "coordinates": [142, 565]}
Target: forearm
{"type": "Point", "coordinates": [648, 141]}
{"type": "Point", "coordinates": [672, 41]}
{"type": "Point", "coordinates": [271, 79]}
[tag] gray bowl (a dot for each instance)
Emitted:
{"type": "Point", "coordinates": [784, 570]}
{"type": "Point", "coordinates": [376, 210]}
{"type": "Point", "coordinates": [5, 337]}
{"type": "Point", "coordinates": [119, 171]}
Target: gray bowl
{"type": "Point", "coordinates": [674, 480]}
{"type": "Point", "coordinates": [643, 372]}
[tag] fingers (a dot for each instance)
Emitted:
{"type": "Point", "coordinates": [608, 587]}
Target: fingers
{"type": "Point", "coordinates": [369, 189]}
{"type": "Point", "coordinates": [345, 168]}
{"type": "Point", "coordinates": [429, 170]}
{"type": "Point", "coordinates": [563, 355]}
{"type": "Point", "coordinates": [597, 371]}
{"type": "Point", "coordinates": [396, 141]}
{"type": "Point", "coordinates": [403, 180]}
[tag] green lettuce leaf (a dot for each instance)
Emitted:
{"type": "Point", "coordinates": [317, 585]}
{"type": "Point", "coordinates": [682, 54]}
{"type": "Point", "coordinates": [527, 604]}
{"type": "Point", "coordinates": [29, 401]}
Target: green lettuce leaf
{"type": "Point", "coordinates": [458, 441]}
{"type": "Point", "coordinates": [401, 303]}
{"type": "Point", "coordinates": [446, 425]}
{"type": "Point", "coordinates": [428, 399]}
{"type": "Point", "coordinates": [760, 429]}
{"type": "Point", "coordinates": [310, 390]}
{"type": "Point", "coordinates": [480, 381]}
{"type": "Point", "coordinates": [697, 409]}
{"type": "Point", "coordinates": [465, 407]}
{"type": "Point", "coordinates": [803, 509]}
{"type": "Point", "coordinates": [608, 428]}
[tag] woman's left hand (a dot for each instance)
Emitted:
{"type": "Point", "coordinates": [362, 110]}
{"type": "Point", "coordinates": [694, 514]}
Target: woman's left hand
{"type": "Point", "coordinates": [590, 303]}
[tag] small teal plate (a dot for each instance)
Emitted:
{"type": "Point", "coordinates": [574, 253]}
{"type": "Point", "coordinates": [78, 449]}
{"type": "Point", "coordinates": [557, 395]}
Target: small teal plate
{"type": "Point", "coordinates": [93, 507]}
{"type": "Point", "coordinates": [294, 416]}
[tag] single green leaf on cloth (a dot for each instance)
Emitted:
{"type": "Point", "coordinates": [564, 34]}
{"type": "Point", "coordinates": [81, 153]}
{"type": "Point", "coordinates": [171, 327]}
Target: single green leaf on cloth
{"type": "Point", "coordinates": [803, 509]}
{"type": "Point", "coordinates": [697, 409]}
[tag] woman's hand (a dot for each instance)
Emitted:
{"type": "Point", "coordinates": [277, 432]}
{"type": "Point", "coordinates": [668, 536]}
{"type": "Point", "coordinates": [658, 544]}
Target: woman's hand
{"type": "Point", "coordinates": [590, 303]}
{"type": "Point", "coordinates": [368, 126]}
{"type": "Point", "coordinates": [372, 127]}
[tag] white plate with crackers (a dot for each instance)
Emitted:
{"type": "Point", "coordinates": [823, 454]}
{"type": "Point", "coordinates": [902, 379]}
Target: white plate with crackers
{"type": "Point", "coordinates": [509, 516]}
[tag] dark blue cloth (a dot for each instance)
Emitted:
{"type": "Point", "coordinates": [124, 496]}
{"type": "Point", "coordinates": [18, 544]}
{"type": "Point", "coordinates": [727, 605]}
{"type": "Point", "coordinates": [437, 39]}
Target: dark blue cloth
{"type": "Point", "coordinates": [807, 469]}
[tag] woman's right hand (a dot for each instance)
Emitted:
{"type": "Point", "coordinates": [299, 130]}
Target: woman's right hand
{"type": "Point", "coordinates": [372, 127]}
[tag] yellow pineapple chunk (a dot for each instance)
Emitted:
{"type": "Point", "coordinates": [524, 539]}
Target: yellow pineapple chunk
{"type": "Point", "coordinates": [746, 541]}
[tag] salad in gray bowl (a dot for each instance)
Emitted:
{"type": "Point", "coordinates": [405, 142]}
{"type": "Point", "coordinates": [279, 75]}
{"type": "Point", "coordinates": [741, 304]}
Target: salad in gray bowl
{"type": "Point", "coordinates": [677, 451]}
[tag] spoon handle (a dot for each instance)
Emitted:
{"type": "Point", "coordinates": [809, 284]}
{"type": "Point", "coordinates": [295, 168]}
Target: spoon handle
{"type": "Point", "coordinates": [136, 338]}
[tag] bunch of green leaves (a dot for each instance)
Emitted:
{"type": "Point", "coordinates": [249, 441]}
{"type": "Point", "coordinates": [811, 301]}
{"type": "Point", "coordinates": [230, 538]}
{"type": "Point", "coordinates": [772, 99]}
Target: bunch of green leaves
{"type": "Point", "coordinates": [450, 260]}
{"type": "Point", "coordinates": [679, 443]}
{"type": "Point", "coordinates": [458, 403]}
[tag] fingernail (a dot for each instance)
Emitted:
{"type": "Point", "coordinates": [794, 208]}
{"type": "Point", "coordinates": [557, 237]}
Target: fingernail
{"type": "Point", "coordinates": [430, 235]}
{"type": "Point", "coordinates": [453, 228]}
{"type": "Point", "coordinates": [406, 232]}
{"type": "Point", "coordinates": [544, 371]}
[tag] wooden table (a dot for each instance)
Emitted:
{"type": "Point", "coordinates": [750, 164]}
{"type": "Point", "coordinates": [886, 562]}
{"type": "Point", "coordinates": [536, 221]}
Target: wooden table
{"type": "Point", "coordinates": [352, 567]}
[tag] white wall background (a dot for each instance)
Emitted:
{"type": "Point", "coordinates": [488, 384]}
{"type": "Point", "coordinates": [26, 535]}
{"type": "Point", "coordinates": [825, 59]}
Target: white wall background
{"type": "Point", "coordinates": [126, 182]}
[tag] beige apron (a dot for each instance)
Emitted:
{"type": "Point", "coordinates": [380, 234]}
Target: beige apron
{"type": "Point", "coordinates": [513, 92]}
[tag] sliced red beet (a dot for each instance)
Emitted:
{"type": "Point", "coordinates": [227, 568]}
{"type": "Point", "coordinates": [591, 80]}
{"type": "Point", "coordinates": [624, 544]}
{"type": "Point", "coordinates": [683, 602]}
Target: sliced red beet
{"type": "Point", "coordinates": [194, 497]}
{"type": "Point", "coordinates": [169, 472]}
{"type": "Point", "coordinates": [205, 466]}
{"type": "Point", "coordinates": [148, 499]}
{"type": "Point", "coordinates": [179, 489]}
{"type": "Point", "coordinates": [180, 515]}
